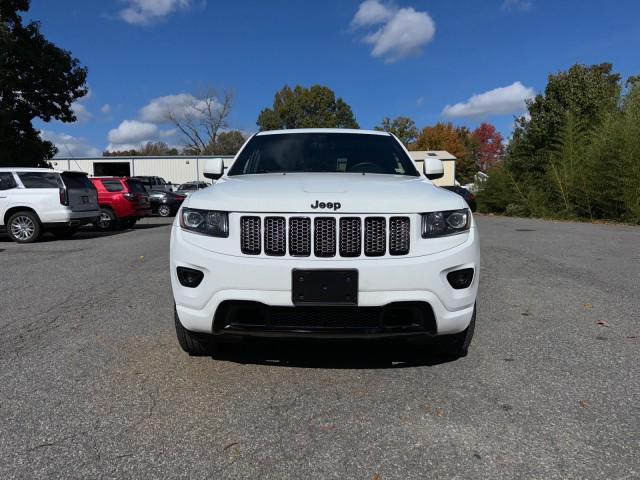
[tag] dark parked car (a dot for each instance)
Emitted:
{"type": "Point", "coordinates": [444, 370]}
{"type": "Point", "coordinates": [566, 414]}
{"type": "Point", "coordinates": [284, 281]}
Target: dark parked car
{"type": "Point", "coordinates": [466, 194]}
{"type": "Point", "coordinates": [165, 204]}
{"type": "Point", "coordinates": [190, 187]}
{"type": "Point", "coordinates": [154, 183]}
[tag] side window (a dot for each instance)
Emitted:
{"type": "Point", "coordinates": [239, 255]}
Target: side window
{"type": "Point", "coordinates": [40, 179]}
{"type": "Point", "coordinates": [112, 185]}
{"type": "Point", "coordinates": [7, 181]}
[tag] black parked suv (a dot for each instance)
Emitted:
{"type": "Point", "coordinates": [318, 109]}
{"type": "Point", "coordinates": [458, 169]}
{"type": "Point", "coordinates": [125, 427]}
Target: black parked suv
{"type": "Point", "coordinates": [154, 183]}
{"type": "Point", "coordinates": [464, 193]}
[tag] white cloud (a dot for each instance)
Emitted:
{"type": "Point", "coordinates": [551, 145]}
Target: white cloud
{"type": "Point", "coordinates": [106, 108]}
{"type": "Point", "coordinates": [81, 112]}
{"type": "Point", "coordinates": [419, 101]}
{"type": "Point", "coordinates": [180, 105]}
{"type": "Point", "coordinates": [519, 5]}
{"type": "Point", "coordinates": [371, 12]}
{"type": "Point", "coordinates": [499, 101]}
{"type": "Point", "coordinates": [70, 146]}
{"type": "Point", "coordinates": [404, 32]}
{"type": "Point", "coordinates": [131, 134]}
{"type": "Point", "coordinates": [145, 12]}
{"type": "Point", "coordinates": [168, 133]}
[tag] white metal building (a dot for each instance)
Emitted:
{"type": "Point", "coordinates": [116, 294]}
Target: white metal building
{"type": "Point", "coordinates": [181, 169]}
{"type": "Point", "coordinates": [174, 169]}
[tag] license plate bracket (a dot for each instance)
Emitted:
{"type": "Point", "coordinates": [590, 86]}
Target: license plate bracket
{"type": "Point", "coordinates": [324, 287]}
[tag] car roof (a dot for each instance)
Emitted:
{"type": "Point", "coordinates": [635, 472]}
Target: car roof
{"type": "Point", "coordinates": [324, 130]}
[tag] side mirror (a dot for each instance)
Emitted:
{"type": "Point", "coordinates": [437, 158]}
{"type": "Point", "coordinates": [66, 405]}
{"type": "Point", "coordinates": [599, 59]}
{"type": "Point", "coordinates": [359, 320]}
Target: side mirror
{"type": "Point", "coordinates": [433, 168]}
{"type": "Point", "coordinates": [213, 168]}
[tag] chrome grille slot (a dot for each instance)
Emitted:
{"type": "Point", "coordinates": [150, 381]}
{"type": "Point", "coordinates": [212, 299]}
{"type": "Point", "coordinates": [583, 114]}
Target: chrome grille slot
{"type": "Point", "coordinates": [399, 235]}
{"type": "Point", "coordinates": [324, 237]}
{"type": "Point", "coordinates": [275, 242]}
{"type": "Point", "coordinates": [299, 236]}
{"type": "Point", "coordinates": [350, 237]}
{"type": "Point", "coordinates": [250, 238]}
{"type": "Point", "coordinates": [375, 236]}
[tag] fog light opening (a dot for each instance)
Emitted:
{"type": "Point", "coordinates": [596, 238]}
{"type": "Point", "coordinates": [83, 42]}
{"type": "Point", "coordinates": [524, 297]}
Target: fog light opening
{"type": "Point", "coordinates": [460, 279]}
{"type": "Point", "coordinates": [188, 277]}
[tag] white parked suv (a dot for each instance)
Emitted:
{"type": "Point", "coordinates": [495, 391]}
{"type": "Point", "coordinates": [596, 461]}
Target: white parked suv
{"type": "Point", "coordinates": [327, 233]}
{"type": "Point", "coordinates": [35, 200]}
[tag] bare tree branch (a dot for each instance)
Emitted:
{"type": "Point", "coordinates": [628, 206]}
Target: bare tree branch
{"type": "Point", "coordinates": [202, 118]}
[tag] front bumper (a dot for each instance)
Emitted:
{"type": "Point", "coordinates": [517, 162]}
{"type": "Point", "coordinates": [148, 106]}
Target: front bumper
{"type": "Point", "coordinates": [267, 281]}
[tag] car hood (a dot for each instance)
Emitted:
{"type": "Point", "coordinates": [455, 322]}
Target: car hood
{"type": "Point", "coordinates": [300, 192]}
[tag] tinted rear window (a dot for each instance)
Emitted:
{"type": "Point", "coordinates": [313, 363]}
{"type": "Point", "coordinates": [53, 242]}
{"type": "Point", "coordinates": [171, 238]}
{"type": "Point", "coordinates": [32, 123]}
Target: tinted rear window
{"type": "Point", "coordinates": [113, 185]}
{"type": "Point", "coordinates": [188, 186]}
{"type": "Point", "coordinates": [40, 179]}
{"type": "Point", "coordinates": [76, 180]}
{"type": "Point", "coordinates": [136, 186]}
{"type": "Point", "coordinates": [7, 181]}
{"type": "Point", "coordinates": [323, 152]}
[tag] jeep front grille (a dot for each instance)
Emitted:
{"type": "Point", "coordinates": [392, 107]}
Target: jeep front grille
{"type": "Point", "coordinates": [343, 236]}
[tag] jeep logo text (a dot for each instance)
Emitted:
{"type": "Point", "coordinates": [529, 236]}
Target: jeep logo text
{"type": "Point", "coordinates": [329, 205]}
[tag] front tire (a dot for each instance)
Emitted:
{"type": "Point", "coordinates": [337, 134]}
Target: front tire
{"type": "Point", "coordinates": [195, 344]}
{"type": "Point", "coordinates": [24, 227]}
{"type": "Point", "coordinates": [164, 210]}
{"type": "Point", "coordinates": [457, 345]}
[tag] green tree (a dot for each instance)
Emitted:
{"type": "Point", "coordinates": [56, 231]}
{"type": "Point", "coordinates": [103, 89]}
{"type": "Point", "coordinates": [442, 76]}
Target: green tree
{"type": "Point", "coordinates": [567, 170]}
{"type": "Point", "coordinates": [402, 127]}
{"type": "Point", "coordinates": [589, 92]}
{"type": "Point", "coordinates": [313, 107]}
{"type": "Point", "coordinates": [37, 79]}
{"type": "Point", "coordinates": [578, 155]}
{"type": "Point", "coordinates": [228, 143]}
{"type": "Point", "coordinates": [466, 165]}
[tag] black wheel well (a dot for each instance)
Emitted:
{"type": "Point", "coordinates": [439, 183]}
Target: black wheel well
{"type": "Point", "coordinates": [13, 210]}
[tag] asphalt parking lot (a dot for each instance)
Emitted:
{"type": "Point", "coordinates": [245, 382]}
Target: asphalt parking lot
{"type": "Point", "coordinates": [94, 385]}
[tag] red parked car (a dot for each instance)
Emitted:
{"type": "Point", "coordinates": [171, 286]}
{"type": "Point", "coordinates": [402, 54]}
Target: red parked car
{"type": "Point", "coordinates": [122, 202]}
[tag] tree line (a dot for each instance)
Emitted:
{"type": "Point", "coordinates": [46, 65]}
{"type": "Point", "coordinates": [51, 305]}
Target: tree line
{"type": "Point", "coordinates": [576, 155]}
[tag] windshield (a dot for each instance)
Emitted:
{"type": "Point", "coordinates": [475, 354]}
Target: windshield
{"type": "Point", "coordinates": [323, 152]}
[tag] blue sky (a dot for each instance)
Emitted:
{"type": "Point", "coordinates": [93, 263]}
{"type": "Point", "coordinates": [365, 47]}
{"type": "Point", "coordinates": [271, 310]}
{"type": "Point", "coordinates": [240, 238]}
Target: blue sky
{"type": "Point", "coordinates": [433, 60]}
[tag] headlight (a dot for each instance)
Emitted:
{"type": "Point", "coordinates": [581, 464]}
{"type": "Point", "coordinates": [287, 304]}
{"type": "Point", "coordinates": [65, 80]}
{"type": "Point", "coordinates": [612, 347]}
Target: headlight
{"type": "Point", "coordinates": [438, 224]}
{"type": "Point", "coordinates": [207, 222]}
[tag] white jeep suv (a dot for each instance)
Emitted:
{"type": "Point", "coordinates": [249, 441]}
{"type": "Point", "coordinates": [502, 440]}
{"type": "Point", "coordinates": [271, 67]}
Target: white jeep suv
{"type": "Point", "coordinates": [328, 233]}
{"type": "Point", "coordinates": [35, 200]}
